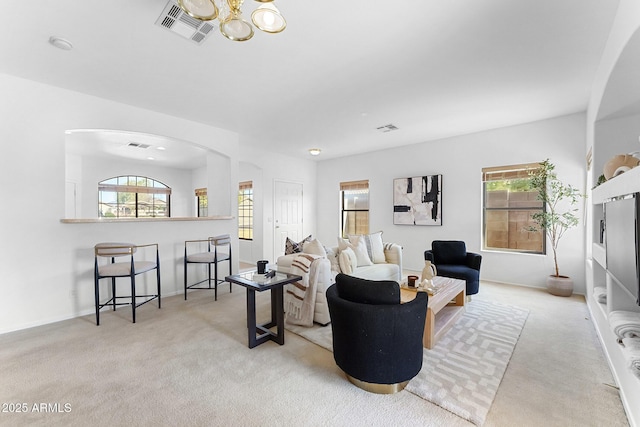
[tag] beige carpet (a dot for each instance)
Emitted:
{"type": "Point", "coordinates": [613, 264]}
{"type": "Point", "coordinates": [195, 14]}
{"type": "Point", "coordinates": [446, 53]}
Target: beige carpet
{"type": "Point", "coordinates": [188, 364]}
{"type": "Point", "coordinates": [464, 369]}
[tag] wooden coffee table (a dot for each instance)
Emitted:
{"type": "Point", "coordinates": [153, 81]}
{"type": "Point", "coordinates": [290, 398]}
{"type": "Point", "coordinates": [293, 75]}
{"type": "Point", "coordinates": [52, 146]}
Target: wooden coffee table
{"type": "Point", "coordinates": [443, 309]}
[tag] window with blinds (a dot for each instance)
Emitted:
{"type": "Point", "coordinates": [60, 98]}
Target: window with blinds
{"type": "Point", "coordinates": [245, 210]}
{"type": "Point", "coordinates": [354, 196]}
{"type": "Point", "coordinates": [133, 197]}
{"type": "Point", "coordinates": [508, 205]}
{"type": "Point", "coordinates": [202, 202]}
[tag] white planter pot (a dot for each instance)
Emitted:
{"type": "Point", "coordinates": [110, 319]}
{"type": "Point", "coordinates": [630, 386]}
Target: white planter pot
{"type": "Point", "coordinates": [561, 286]}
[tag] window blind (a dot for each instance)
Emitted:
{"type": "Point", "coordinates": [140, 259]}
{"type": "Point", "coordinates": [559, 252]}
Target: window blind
{"type": "Point", "coordinates": [354, 185]}
{"type": "Point", "coordinates": [501, 173]}
{"type": "Point", "coordinates": [133, 189]}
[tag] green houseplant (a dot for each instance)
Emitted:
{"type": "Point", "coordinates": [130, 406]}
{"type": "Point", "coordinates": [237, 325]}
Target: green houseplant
{"type": "Point", "coordinates": [561, 202]}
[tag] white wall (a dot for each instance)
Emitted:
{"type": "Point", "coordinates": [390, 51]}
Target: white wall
{"type": "Point", "coordinates": [626, 23]}
{"type": "Point", "coordinates": [221, 200]}
{"type": "Point", "coordinates": [274, 167]}
{"type": "Point", "coordinates": [621, 136]}
{"type": "Point", "coordinates": [460, 161]}
{"type": "Point", "coordinates": [46, 265]}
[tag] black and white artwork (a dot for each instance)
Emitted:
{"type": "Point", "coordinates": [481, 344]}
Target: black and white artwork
{"type": "Point", "coordinates": [418, 200]}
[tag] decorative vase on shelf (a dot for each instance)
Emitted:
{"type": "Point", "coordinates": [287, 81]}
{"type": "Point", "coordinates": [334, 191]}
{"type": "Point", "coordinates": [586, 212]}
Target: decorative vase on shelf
{"type": "Point", "coordinates": [619, 164]}
{"type": "Point", "coordinates": [428, 273]}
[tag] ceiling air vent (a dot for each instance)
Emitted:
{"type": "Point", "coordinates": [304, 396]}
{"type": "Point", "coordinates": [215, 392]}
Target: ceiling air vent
{"type": "Point", "coordinates": [175, 20]}
{"type": "Point", "coordinates": [387, 128]}
{"type": "Point", "coordinates": [138, 145]}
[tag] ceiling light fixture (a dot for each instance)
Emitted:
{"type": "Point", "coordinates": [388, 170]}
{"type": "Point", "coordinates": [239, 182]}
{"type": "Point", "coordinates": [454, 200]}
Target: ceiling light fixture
{"type": "Point", "coordinates": [60, 43]}
{"type": "Point", "coordinates": [314, 151]}
{"type": "Point", "coordinates": [203, 10]}
{"type": "Point", "coordinates": [266, 17]}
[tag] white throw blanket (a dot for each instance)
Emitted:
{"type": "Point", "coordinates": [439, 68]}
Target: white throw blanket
{"type": "Point", "coordinates": [300, 297]}
{"type": "Point", "coordinates": [601, 294]}
{"type": "Point", "coordinates": [632, 354]}
{"type": "Point", "coordinates": [625, 324]}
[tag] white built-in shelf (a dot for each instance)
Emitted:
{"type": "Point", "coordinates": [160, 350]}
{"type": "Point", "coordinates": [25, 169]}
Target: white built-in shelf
{"type": "Point", "coordinates": [618, 297]}
{"type": "Point", "coordinates": [628, 383]}
{"type": "Point", "coordinates": [602, 307]}
{"type": "Point", "coordinates": [628, 182]}
{"type": "Point", "coordinates": [599, 254]}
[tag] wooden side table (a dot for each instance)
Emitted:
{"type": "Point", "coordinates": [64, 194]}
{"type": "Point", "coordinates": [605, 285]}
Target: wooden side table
{"type": "Point", "coordinates": [259, 334]}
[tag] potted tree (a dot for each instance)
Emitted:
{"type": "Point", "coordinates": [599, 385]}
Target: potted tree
{"type": "Point", "coordinates": [560, 215]}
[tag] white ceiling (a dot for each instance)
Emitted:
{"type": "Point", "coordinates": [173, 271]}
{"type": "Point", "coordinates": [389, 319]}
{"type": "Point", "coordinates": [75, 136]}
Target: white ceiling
{"type": "Point", "coordinates": [135, 146]}
{"type": "Point", "coordinates": [340, 70]}
{"type": "Point", "coordinates": [622, 94]}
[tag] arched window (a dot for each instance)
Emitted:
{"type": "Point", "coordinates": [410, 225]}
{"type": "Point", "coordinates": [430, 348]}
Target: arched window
{"type": "Point", "coordinates": [133, 197]}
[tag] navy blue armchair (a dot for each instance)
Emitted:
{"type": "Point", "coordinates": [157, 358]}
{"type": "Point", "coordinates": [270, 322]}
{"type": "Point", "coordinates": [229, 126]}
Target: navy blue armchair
{"type": "Point", "coordinates": [452, 260]}
{"type": "Point", "coordinates": [377, 341]}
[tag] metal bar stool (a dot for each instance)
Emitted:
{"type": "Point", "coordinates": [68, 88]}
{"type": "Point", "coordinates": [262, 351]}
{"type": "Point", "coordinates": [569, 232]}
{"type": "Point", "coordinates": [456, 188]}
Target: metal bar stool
{"type": "Point", "coordinates": [213, 255]}
{"type": "Point", "coordinates": [130, 268]}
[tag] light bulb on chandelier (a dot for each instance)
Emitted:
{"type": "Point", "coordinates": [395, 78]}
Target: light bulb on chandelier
{"type": "Point", "coordinates": [204, 10]}
{"type": "Point", "coordinates": [268, 18]}
{"type": "Point", "coordinates": [235, 28]}
{"type": "Point", "coordinates": [265, 17]}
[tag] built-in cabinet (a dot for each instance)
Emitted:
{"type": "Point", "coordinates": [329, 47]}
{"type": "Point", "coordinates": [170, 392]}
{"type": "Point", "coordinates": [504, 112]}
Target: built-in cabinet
{"type": "Point", "coordinates": [618, 298]}
{"type": "Point", "coordinates": [613, 127]}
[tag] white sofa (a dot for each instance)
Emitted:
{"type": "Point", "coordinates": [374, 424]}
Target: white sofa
{"type": "Point", "coordinates": [329, 266]}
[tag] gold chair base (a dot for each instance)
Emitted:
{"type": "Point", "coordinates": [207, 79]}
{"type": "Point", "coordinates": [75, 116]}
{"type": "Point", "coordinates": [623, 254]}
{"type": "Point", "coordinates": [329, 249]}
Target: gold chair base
{"type": "Point", "coordinates": [378, 388]}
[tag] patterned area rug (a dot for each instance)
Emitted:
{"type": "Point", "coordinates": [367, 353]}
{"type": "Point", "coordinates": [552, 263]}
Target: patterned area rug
{"type": "Point", "coordinates": [463, 371]}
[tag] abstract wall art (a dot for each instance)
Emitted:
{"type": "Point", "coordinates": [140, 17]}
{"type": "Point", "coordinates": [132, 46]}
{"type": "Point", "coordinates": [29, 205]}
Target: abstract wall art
{"type": "Point", "coordinates": [417, 200]}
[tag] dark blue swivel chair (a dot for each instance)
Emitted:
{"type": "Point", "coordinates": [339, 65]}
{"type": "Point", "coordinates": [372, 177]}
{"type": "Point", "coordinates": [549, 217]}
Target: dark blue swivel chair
{"type": "Point", "coordinates": [452, 260]}
{"type": "Point", "coordinates": [377, 341]}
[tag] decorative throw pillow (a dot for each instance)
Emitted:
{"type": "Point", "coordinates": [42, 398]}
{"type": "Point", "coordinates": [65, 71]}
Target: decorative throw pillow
{"type": "Point", "coordinates": [375, 247]}
{"type": "Point", "coordinates": [292, 247]}
{"type": "Point", "coordinates": [347, 261]}
{"type": "Point", "coordinates": [314, 247]}
{"type": "Point", "coordinates": [359, 247]}
{"type": "Point", "coordinates": [333, 259]}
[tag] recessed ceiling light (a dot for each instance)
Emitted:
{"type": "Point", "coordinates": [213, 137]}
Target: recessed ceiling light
{"type": "Point", "coordinates": [314, 151]}
{"type": "Point", "coordinates": [161, 148]}
{"type": "Point", "coordinates": [60, 43]}
{"type": "Point", "coordinates": [150, 158]}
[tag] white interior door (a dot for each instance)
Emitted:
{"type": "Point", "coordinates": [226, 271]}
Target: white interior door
{"type": "Point", "coordinates": [287, 216]}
